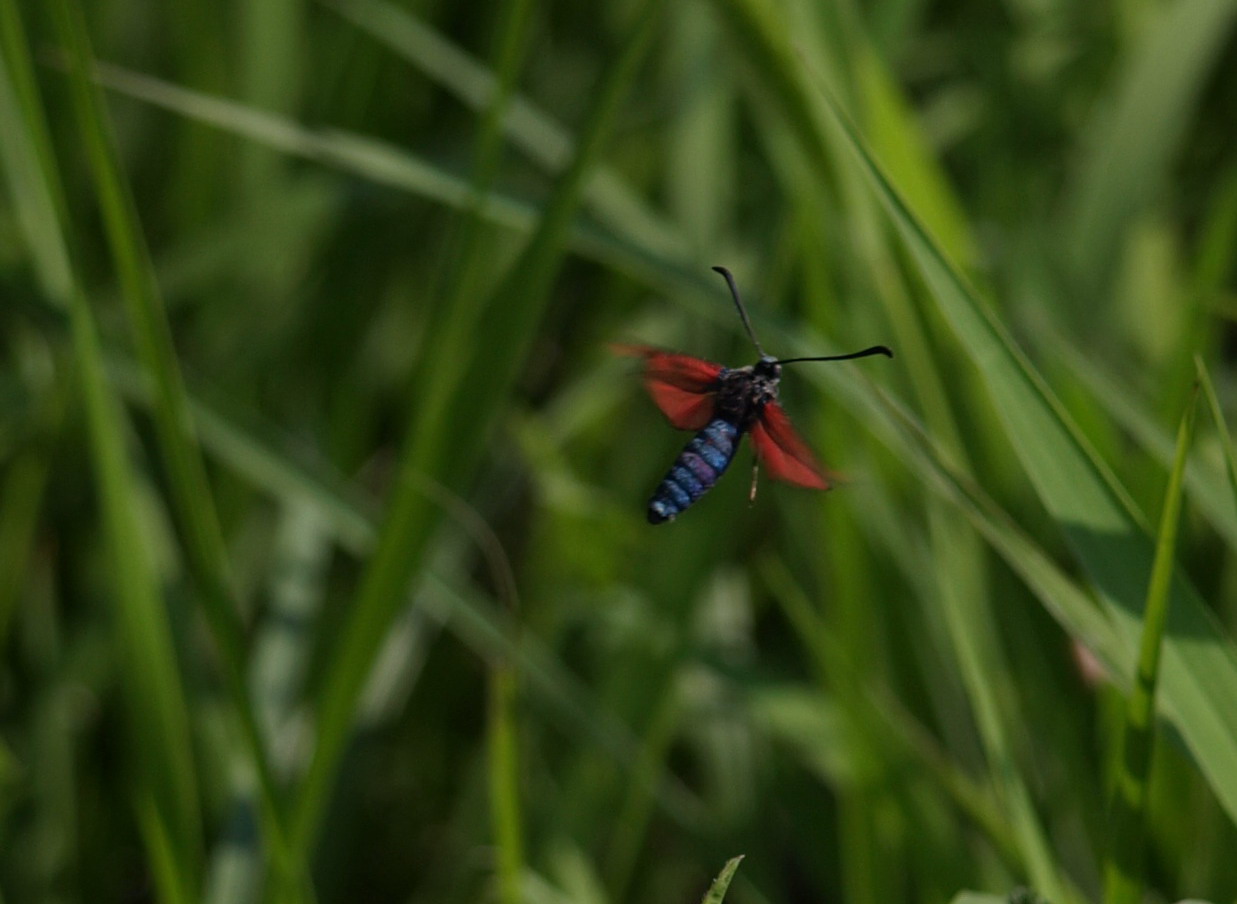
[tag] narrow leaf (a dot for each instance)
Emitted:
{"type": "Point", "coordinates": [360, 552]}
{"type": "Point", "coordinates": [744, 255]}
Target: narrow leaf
{"type": "Point", "coordinates": [1124, 872]}
{"type": "Point", "coordinates": [1104, 528]}
{"type": "Point", "coordinates": [717, 891]}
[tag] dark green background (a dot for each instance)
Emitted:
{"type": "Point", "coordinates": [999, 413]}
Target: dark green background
{"type": "Point", "coordinates": [308, 418]}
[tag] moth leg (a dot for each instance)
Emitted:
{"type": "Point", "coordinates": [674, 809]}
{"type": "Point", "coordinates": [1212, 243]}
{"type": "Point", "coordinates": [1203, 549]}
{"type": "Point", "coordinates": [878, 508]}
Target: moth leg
{"type": "Point", "coordinates": [751, 499]}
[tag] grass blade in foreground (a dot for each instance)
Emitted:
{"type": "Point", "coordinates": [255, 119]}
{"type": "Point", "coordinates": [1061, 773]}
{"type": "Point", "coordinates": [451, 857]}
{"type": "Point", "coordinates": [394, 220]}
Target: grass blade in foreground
{"type": "Point", "coordinates": [717, 891]}
{"type": "Point", "coordinates": [1123, 879]}
{"type": "Point", "coordinates": [1103, 527]}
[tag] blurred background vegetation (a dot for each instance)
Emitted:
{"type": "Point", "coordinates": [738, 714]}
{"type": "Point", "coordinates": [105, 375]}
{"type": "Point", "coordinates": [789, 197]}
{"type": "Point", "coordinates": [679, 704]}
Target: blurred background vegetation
{"type": "Point", "coordinates": [324, 573]}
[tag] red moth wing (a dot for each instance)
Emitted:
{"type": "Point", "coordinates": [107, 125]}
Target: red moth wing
{"type": "Point", "coordinates": [682, 386]}
{"type": "Point", "coordinates": [783, 452]}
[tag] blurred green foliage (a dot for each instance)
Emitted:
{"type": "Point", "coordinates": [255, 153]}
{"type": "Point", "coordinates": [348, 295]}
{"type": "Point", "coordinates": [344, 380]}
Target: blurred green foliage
{"type": "Point", "coordinates": [324, 572]}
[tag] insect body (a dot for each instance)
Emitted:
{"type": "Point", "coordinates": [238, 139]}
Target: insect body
{"type": "Point", "coordinates": [722, 404]}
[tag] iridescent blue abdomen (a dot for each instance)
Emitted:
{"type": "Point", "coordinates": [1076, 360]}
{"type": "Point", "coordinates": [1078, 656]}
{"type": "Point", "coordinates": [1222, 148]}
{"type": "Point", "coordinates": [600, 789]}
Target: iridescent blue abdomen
{"type": "Point", "coordinates": [697, 468]}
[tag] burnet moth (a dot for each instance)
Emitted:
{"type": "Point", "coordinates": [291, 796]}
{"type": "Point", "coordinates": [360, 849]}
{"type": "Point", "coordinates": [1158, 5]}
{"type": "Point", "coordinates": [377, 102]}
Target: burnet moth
{"type": "Point", "coordinates": [722, 404]}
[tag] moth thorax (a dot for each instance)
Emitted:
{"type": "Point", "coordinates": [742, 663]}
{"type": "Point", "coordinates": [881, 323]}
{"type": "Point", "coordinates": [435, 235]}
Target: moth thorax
{"type": "Point", "coordinates": [767, 368]}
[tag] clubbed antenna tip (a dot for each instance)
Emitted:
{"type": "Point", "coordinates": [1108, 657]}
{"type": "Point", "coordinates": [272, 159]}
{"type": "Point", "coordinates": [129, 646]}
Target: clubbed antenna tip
{"type": "Point", "coordinates": [734, 292]}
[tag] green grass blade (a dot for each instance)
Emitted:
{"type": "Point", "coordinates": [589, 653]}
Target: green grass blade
{"type": "Point", "coordinates": [504, 763]}
{"type": "Point", "coordinates": [1202, 482]}
{"type": "Point", "coordinates": [512, 314]}
{"type": "Point", "coordinates": [396, 167]}
{"type": "Point", "coordinates": [367, 157]}
{"type": "Point", "coordinates": [1104, 529]}
{"type": "Point", "coordinates": [1124, 870]}
{"type": "Point", "coordinates": [157, 709]}
{"type": "Point", "coordinates": [898, 141]}
{"type": "Point", "coordinates": [192, 501]}
{"type": "Point", "coordinates": [1101, 523]}
{"type": "Point", "coordinates": [717, 891]}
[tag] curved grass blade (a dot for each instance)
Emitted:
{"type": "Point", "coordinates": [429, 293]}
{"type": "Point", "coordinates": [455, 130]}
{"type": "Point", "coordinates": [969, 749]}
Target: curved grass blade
{"type": "Point", "coordinates": [1101, 523]}
{"type": "Point", "coordinates": [360, 155]}
{"type": "Point", "coordinates": [1124, 870]}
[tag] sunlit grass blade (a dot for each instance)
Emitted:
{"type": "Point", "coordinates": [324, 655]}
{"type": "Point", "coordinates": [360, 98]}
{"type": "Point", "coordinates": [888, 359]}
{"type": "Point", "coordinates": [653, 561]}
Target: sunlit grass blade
{"type": "Point", "coordinates": [899, 141]}
{"type": "Point", "coordinates": [190, 490]}
{"type": "Point", "coordinates": [717, 891]}
{"type": "Point", "coordinates": [1104, 528]}
{"type": "Point", "coordinates": [159, 739]}
{"type": "Point", "coordinates": [1125, 866]}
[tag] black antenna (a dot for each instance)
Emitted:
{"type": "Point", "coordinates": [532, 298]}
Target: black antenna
{"type": "Point", "coordinates": [734, 291]}
{"type": "Point", "coordinates": [874, 350]}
